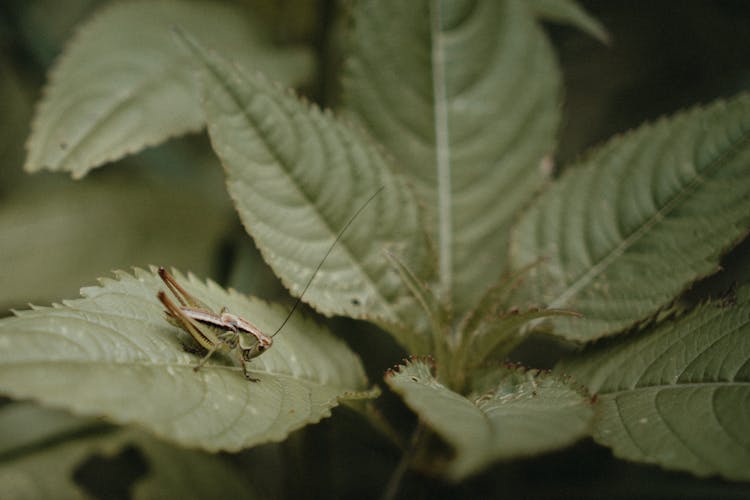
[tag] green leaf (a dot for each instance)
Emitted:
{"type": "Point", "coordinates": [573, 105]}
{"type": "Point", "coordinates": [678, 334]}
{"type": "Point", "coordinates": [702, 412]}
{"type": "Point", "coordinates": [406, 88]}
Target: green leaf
{"type": "Point", "coordinates": [648, 213]}
{"type": "Point", "coordinates": [469, 110]}
{"type": "Point", "coordinates": [297, 176]}
{"type": "Point", "coordinates": [512, 413]}
{"type": "Point", "coordinates": [569, 12]}
{"type": "Point", "coordinates": [678, 394]}
{"type": "Point", "coordinates": [113, 353]}
{"type": "Point", "coordinates": [58, 236]}
{"type": "Point", "coordinates": [122, 84]}
{"type": "Point", "coordinates": [44, 465]}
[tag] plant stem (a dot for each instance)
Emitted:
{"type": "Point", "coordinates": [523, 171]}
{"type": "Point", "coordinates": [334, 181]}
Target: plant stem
{"type": "Point", "coordinates": [394, 482]}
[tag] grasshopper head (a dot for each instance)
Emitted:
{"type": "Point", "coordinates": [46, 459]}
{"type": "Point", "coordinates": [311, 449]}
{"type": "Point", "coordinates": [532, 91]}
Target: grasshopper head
{"type": "Point", "coordinates": [251, 341]}
{"type": "Point", "coordinates": [254, 344]}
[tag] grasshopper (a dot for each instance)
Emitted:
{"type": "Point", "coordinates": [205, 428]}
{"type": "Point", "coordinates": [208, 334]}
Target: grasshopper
{"type": "Point", "coordinates": [213, 332]}
{"type": "Point", "coordinates": [224, 331]}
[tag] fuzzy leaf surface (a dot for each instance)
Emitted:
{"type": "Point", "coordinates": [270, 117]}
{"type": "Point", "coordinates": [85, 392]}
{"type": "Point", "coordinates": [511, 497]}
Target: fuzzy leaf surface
{"type": "Point", "coordinates": [112, 353]}
{"type": "Point", "coordinates": [45, 463]}
{"type": "Point", "coordinates": [469, 110]}
{"type": "Point", "coordinates": [677, 395]}
{"type": "Point", "coordinates": [122, 84]}
{"type": "Point", "coordinates": [297, 175]}
{"type": "Point", "coordinates": [511, 414]}
{"type": "Point", "coordinates": [648, 213]}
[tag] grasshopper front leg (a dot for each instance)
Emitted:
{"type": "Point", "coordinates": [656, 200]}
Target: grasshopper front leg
{"type": "Point", "coordinates": [243, 364]}
{"type": "Point", "coordinates": [205, 358]}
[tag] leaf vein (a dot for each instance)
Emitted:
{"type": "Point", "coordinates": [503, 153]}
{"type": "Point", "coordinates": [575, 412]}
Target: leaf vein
{"type": "Point", "coordinates": [673, 203]}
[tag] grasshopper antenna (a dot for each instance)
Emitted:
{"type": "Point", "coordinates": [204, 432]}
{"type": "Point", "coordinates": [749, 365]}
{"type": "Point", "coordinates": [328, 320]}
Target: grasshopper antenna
{"type": "Point", "coordinates": [328, 252]}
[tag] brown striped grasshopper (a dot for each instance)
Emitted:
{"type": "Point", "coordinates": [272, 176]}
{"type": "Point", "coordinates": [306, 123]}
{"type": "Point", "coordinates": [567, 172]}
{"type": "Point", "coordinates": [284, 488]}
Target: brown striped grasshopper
{"type": "Point", "coordinates": [224, 331]}
{"type": "Point", "coordinates": [213, 332]}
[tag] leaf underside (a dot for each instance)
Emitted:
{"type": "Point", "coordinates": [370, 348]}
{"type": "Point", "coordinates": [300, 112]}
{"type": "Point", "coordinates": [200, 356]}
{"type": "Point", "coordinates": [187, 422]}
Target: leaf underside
{"type": "Point", "coordinates": [513, 413]}
{"type": "Point", "coordinates": [469, 111]}
{"type": "Point", "coordinates": [123, 84]}
{"type": "Point", "coordinates": [297, 175]}
{"type": "Point", "coordinates": [112, 353]}
{"type": "Point", "coordinates": [678, 394]}
{"type": "Point", "coordinates": [625, 232]}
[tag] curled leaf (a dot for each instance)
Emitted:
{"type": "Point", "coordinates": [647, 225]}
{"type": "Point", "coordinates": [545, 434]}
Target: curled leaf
{"type": "Point", "coordinates": [512, 413]}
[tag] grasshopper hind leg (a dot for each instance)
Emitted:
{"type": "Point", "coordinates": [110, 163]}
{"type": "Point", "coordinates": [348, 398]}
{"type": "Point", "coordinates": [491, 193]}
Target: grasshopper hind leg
{"type": "Point", "coordinates": [178, 318]}
{"type": "Point", "coordinates": [182, 296]}
{"type": "Point", "coordinates": [188, 343]}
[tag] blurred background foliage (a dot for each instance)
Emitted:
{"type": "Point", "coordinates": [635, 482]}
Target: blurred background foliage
{"type": "Point", "coordinates": [168, 205]}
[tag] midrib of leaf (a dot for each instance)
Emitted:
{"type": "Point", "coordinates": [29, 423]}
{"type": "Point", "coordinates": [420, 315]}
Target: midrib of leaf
{"type": "Point", "coordinates": [462, 140]}
{"type": "Point", "coordinates": [597, 269]}
{"type": "Point", "coordinates": [678, 386]}
{"type": "Point", "coordinates": [280, 160]}
{"type": "Point", "coordinates": [442, 149]}
{"type": "Point", "coordinates": [121, 103]}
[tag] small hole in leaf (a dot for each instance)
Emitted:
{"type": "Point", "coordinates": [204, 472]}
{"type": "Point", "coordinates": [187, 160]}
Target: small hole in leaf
{"type": "Point", "coordinates": [111, 477]}
{"type": "Point", "coordinates": [356, 302]}
{"type": "Point", "coordinates": [414, 379]}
